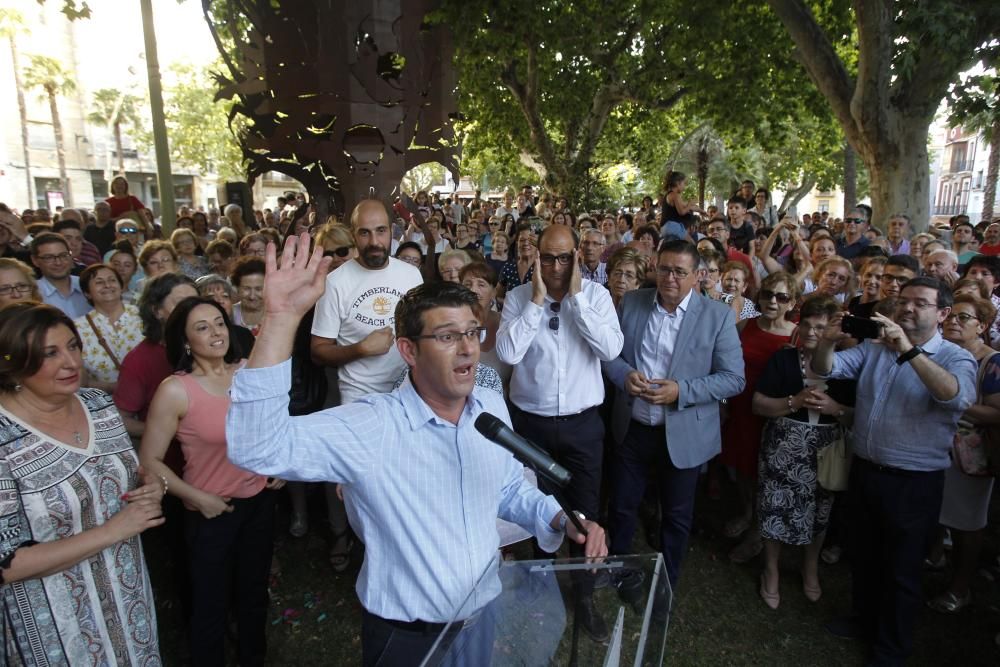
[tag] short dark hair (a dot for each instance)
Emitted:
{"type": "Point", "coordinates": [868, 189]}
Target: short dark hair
{"type": "Point", "coordinates": [175, 336]}
{"type": "Point", "coordinates": [438, 294]}
{"type": "Point", "coordinates": [155, 291]}
{"type": "Point", "coordinates": [989, 262]}
{"type": "Point", "coordinates": [247, 266]}
{"type": "Point", "coordinates": [479, 270]}
{"type": "Point", "coordinates": [905, 261]}
{"type": "Point", "coordinates": [409, 245]}
{"type": "Point", "coordinates": [45, 238]}
{"type": "Point", "coordinates": [945, 298]}
{"type": "Point", "coordinates": [867, 210]}
{"type": "Point", "coordinates": [819, 304]}
{"type": "Point", "coordinates": [737, 200]}
{"type": "Point", "coordinates": [221, 247]}
{"type": "Point", "coordinates": [681, 247]}
{"type": "Point", "coordinates": [23, 327]}
{"type": "Point", "coordinates": [88, 274]}
{"type": "Point", "coordinates": [652, 230]}
{"type": "Point", "coordinates": [716, 243]}
{"type": "Point", "coordinates": [965, 224]}
{"type": "Point", "coordinates": [66, 223]}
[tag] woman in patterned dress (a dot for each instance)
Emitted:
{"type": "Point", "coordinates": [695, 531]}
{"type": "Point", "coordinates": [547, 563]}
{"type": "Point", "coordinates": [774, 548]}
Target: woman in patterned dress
{"type": "Point", "coordinates": [74, 588]}
{"type": "Point", "coordinates": [792, 507]}
{"type": "Point", "coordinates": [108, 332]}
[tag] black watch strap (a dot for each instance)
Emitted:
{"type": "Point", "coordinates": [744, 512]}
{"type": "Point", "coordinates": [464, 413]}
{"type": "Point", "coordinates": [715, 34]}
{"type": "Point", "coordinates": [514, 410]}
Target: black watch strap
{"type": "Point", "coordinates": [913, 351]}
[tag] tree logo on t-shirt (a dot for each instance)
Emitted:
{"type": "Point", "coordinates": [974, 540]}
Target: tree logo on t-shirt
{"type": "Point", "coordinates": [382, 305]}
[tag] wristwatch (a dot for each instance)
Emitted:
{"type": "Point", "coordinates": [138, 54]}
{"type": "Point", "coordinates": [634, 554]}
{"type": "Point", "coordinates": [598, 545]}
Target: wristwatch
{"type": "Point", "coordinates": [910, 354]}
{"type": "Point", "coordinates": [565, 519]}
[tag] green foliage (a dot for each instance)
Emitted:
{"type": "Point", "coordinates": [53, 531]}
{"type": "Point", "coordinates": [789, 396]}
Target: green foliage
{"type": "Point", "coordinates": [103, 105]}
{"type": "Point", "coordinates": [47, 73]}
{"type": "Point", "coordinates": [974, 102]}
{"type": "Point", "coordinates": [197, 127]}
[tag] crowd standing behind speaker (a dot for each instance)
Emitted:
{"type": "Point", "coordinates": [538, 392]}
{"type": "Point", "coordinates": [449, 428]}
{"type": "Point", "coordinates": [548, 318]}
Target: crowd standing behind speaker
{"type": "Point", "coordinates": [664, 347]}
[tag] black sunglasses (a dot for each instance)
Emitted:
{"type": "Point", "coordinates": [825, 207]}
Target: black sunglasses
{"type": "Point", "coordinates": [782, 298]}
{"type": "Point", "coordinates": [339, 252]}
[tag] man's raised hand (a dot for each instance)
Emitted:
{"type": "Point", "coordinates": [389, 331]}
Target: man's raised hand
{"type": "Point", "coordinates": [294, 287]}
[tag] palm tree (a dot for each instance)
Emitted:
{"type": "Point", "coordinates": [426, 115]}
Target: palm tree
{"type": "Point", "coordinates": [112, 107]}
{"type": "Point", "coordinates": [11, 23]}
{"type": "Point", "coordinates": [48, 74]}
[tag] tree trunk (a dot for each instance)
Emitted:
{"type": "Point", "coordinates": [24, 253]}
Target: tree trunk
{"type": "Point", "coordinates": [22, 111]}
{"type": "Point", "coordinates": [60, 146]}
{"type": "Point", "coordinates": [993, 166]}
{"type": "Point", "coordinates": [702, 170]}
{"type": "Point", "coordinates": [850, 178]}
{"type": "Point", "coordinates": [900, 174]}
{"type": "Point", "coordinates": [118, 147]}
{"type": "Point", "coordinates": [795, 195]}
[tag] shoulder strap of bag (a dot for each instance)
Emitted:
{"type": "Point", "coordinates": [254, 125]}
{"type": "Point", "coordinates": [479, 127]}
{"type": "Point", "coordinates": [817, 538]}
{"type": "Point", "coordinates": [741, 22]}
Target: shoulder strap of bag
{"type": "Point", "coordinates": [104, 343]}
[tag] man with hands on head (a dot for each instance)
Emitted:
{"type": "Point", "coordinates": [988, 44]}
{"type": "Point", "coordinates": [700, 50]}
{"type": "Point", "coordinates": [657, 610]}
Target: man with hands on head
{"type": "Point", "coordinates": [555, 331]}
{"type": "Point", "coordinates": [912, 387]}
{"type": "Point", "coordinates": [681, 357]}
{"type": "Point", "coordinates": [427, 487]}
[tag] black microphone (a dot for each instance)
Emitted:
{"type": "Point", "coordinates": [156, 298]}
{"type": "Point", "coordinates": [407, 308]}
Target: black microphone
{"type": "Point", "coordinates": [528, 454]}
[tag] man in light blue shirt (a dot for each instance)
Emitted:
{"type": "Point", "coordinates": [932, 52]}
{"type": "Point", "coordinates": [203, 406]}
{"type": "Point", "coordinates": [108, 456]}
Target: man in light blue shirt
{"type": "Point", "coordinates": [427, 488]}
{"type": "Point", "coordinates": [50, 254]}
{"type": "Point", "coordinates": [912, 388]}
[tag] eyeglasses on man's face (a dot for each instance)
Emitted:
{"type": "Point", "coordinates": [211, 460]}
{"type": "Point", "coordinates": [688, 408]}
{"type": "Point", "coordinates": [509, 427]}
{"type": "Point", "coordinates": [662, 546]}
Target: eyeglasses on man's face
{"type": "Point", "coordinates": [451, 338]}
{"type": "Point", "coordinates": [49, 259]}
{"type": "Point", "coordinates": [549, 260]}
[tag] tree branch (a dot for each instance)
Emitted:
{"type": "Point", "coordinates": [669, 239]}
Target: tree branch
{"type": "Point", "coordinates": [526, 94]}
{"type": "Point", "coordinates": [817, 55]}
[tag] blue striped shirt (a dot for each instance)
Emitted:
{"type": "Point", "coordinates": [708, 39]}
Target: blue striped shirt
{"type": "Point", "coordinates": [423, 494]}
{"type": "Point", "coordinates": [897, 422]}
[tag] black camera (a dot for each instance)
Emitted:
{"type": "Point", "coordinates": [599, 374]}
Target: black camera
{"type": "Point", "coordinates": [860, 327]}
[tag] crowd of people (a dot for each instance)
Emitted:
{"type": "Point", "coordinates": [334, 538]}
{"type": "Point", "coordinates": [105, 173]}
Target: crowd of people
{"type": "Point", "coordinates": [190, 382]}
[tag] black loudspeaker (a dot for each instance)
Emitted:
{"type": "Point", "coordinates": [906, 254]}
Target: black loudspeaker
{"type": "Point", "coordinates": [239, 193]}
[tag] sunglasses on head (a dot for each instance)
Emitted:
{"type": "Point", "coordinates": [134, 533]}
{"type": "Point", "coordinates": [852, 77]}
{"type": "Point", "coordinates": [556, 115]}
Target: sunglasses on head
{"type": "Point", "coordinates": [782, 298]}
{"type": "Point", "coordinates": [339, 252]}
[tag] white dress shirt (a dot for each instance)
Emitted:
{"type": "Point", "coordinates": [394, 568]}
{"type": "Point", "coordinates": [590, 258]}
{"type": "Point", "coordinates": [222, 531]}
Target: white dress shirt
{"type": "Point", "coordinates": [425, 492]}
{"type": "Point", "coordinates": [557, 372]}
{"type": "Point", "coordinates": [655, 353]}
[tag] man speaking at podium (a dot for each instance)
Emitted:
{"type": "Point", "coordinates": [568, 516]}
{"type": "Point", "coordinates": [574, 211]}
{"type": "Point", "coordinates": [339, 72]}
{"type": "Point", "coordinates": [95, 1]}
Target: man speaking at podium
{"type": "Point", "coordinates": [427, 486]}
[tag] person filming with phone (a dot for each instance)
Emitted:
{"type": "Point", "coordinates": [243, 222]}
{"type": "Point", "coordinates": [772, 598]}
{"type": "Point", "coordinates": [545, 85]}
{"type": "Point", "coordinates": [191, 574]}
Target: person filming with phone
{"type": "Point", "coordinates": [912, 388]}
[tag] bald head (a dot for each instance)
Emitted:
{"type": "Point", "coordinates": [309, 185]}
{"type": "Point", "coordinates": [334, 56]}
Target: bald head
{"type": "Point", "coordinates": [372, 234]}
{"type": "Point", "coordinates": [368, 209]}
{"type": "Point", "coordinates": [560, 234]}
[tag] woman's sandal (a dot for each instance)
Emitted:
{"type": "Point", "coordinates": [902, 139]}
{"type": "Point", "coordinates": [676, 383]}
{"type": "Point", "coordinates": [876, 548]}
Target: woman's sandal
{"type": "Point", "coordinates": [949, 603]}
{"type": "Point", "coordinates": [340, 558]}
{"type": "Point", "coordinates": [772, 600]}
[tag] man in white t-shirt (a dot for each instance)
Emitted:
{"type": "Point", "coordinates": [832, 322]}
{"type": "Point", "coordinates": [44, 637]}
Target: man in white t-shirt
{"type": "Point", "coordinates": [353, 325]}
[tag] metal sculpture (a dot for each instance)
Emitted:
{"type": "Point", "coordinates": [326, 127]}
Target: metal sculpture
{"type": "Point", "coordinates": [344, 96]}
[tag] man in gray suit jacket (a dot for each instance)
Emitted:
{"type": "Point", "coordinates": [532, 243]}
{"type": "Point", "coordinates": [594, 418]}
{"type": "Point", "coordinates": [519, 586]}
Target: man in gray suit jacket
{"type": "Point", "coordinates": [681, 356]}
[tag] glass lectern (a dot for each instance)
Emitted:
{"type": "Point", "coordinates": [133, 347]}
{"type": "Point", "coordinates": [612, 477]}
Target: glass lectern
{"type": "Point", "coordinates": [532, 621]}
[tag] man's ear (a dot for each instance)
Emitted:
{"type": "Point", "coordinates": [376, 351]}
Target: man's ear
{"type": "Point", "coordinates": [407, 350]}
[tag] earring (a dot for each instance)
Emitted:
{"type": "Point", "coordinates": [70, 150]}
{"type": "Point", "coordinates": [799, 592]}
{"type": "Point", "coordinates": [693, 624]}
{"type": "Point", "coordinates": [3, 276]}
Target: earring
{"type": "Point", "coordinates": [187, 348]}
{"type": "Point", "coordinates": [17, 387]}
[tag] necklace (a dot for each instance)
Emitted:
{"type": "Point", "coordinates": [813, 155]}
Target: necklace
{"type": "Point", "coordinates": [77, 435]}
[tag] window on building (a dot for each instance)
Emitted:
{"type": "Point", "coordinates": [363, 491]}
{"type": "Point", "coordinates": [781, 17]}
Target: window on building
{"type": "Point", "coordinates": [41, 137]}
{"type": "Point", "coordinates": [99, 185]}
{"type": "Point", "coordinates": [48, 190]}
{"type": "Point", "coordinates": [979, 180]}
{"type": "Point", "coordinates": [824, 206]}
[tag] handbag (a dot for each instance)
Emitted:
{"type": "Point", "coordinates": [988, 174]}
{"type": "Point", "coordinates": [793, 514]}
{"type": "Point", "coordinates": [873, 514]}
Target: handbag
{"type": "Point", "coordinates": [103, 343]}
{"type": "Point", "coordinates": [972, 448]}
{"type": "Point", "coordinates": [833, 465]}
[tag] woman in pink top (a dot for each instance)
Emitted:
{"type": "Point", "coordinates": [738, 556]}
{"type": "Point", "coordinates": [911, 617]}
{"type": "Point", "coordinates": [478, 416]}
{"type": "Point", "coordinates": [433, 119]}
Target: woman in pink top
{"type": "Point", "coordinates": [229, 523]}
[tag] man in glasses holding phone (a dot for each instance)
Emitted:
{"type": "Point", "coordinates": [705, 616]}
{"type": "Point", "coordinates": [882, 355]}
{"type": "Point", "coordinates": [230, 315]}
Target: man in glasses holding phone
{"type": "Point", "coordinates": [912, 388]}
{"type": "Point", "coordinates": [555, 331]}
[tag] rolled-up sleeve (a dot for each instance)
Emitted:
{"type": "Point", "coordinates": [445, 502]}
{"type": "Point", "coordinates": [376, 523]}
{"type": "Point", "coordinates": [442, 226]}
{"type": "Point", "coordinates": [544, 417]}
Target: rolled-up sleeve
{"type": "Point", "coordinates": [965, 370]}
{"type": "Point", "coordinates": [523, 504]}
{"type": "Point", "coordinates": [336, 445]}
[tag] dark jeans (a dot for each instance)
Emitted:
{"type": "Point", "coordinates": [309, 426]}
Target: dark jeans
{"type": "Point", "coordinates": [893, 517]}
{"type": "Point", "coordinates": [233, 549]}
{"type": "Point", "coordinates": [386, 643]}
{"type": "Point", "coordinates": [575, 442]}
{"type": "Point", "coordinates": [644, 450]}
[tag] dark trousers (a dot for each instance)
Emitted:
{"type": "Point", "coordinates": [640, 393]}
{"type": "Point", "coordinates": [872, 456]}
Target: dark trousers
{"type": "Point", "coordinates": [576, 442]}
{"type": "Point", "coordinates": [233, 549]}
{"type": "Point", "coordinates": [644, 450]}
{"type": "Point", "coordinates": [386, 643]}
{"type": "Point", "coordinates": [893, 516]}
